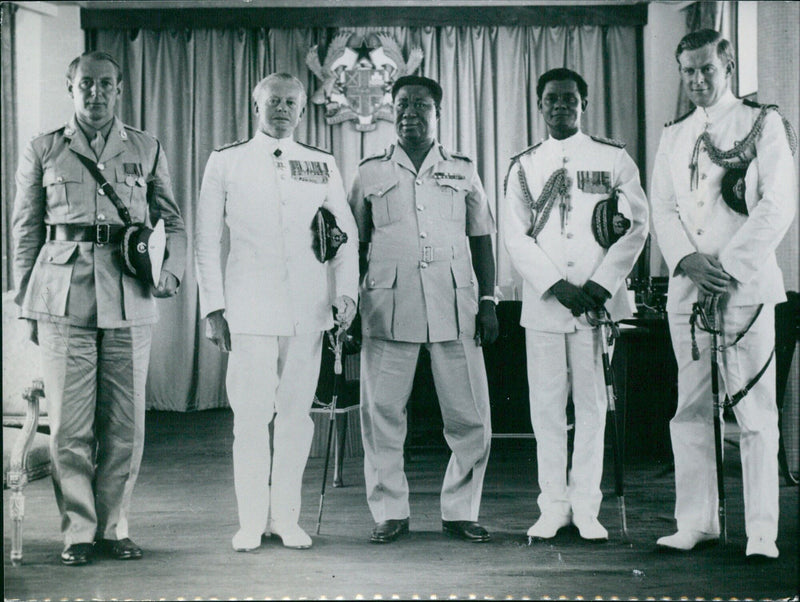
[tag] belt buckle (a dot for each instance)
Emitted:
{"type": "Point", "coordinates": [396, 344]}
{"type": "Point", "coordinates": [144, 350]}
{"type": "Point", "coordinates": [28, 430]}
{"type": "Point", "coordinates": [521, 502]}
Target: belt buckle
{"type": "Point", "coordinates": [102, 234]}
{"type": "Point", "coordinates": [427, 253]}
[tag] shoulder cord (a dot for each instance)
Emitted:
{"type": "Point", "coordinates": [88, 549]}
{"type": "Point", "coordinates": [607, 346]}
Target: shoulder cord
{"type": "Point", "coordinates": [737, 157]}
{"type": "Point", "coordinates": [698, 310]}
{"type": "Point", "coordinates": [556, 186]}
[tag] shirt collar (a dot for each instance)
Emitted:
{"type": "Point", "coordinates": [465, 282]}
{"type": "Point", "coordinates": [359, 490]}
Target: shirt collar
{"type": "Point", "coordinates": [566, 143]}
{"type": "Point", "coordinates": [719, 108]}
{"type": "Point", "coordinates": [272, 144]}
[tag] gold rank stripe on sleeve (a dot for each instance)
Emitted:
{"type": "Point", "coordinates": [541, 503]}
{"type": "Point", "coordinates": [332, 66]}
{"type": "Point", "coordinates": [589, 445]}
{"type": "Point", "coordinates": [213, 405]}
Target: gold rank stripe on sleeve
{"type": "Point", "coordinates": [315, 172]}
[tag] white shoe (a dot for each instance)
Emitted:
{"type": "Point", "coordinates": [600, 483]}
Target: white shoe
{"type": "Point", "coordinates": [590, 528]}
{"type": "Point", "coordinates": [548, 525]}
{"type": "Point", "coordinates": [686, 540]}
{"type": "Point", "coordinates": [245, 541]}
{"type": "Point", "coordinates": [291, 535]}
{"type": "Point", "coordinates": [761, 546]}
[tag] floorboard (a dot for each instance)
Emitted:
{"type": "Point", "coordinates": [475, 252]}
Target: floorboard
{"type": "Point", "coordinates": [184, 517]}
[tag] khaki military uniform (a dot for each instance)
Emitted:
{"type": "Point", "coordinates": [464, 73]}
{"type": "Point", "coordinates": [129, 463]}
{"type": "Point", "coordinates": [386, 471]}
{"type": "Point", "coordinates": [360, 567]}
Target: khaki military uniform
{"type": "Point", "coordinates": [689, 215]}
{"type": "Point", "coordinates": [563, 350]}
{"type": "Point", "coordinates": [420, 289]}
{"type": "Point", "coordinates": [94, 319]}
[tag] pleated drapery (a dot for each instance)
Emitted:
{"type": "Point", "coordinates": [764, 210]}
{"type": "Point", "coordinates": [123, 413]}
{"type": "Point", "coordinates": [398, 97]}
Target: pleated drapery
{"type": "Point", "coordinates": [191, 89]}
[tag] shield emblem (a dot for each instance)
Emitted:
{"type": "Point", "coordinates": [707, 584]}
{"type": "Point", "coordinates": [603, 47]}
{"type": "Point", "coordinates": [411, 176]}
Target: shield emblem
{"type": "Point", "coordinates": [364, 90]}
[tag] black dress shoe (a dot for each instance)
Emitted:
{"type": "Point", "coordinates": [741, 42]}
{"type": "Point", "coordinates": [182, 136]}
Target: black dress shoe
{"type": "Point", "coordinates": [467, 530]}
{"type": "Point", "coordinates": [119, 549]}
{"type": "Point", "coordinates": [77, 554]}
{"type": "Point", "coordinates": [389, 530]}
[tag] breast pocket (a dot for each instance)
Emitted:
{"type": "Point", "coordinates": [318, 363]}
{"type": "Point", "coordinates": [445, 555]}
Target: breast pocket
{"type": "Point", "coordinates": [61, 185]}
{"type": "Point", "coordinates": [48, 289]}
{"type": "Point", "coordinates": [132, 190]}
{"type": "Point", "coordinates": [451, 199]}
{"type": "Point", "coordinates": [386, 207]}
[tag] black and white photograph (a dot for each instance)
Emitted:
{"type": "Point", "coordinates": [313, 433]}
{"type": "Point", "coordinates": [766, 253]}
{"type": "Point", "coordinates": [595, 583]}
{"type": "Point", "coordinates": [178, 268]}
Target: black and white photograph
{"type": "Point", "coordinates": [400, 299]}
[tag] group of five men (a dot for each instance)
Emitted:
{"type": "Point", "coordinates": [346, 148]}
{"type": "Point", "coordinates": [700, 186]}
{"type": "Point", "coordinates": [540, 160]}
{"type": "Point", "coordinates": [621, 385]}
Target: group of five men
{"type": "Point", "coordinates": [425, 264]}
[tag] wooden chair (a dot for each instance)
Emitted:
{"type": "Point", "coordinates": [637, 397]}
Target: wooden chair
{"type": "Point", "coordinates": [18, 472]}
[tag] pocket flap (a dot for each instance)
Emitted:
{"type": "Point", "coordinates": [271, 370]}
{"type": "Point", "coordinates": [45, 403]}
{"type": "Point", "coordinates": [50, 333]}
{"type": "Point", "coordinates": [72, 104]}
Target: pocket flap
{"type": "Point", "coordinates": [51, 176]}
{"type": "Point", "coordinates": [380, 189]}
{"type": "Point", "coordinates": [381, 276]}
{"type": "Point", "coordinates": [58, 252]}
{"type": "Point", "coordinates": [452, 184]}
{"type": "Point", "coordinates": [462, 274]}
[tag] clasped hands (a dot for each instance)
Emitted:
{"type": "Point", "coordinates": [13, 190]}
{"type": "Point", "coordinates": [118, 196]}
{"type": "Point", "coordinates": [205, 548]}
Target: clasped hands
{"type": "Point", "coordinates": [580, 299]}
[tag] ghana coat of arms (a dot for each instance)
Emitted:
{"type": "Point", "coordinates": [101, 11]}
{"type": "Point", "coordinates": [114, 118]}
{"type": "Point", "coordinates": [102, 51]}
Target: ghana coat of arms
{"type": "Point", "coordinates": [357, 74]}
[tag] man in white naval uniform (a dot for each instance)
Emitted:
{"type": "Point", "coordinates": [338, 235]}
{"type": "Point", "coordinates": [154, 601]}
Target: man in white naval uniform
{"type": "Point", "coordinates": [274, 305]}
{"type": "Point", "coordinates": [711, 249]}
{"type": "Point", "coordinates": [567, 272]}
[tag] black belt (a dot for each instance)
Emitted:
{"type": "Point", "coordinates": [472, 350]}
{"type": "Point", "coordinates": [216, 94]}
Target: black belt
{"type": "Point", "coordinates": [100, 234]}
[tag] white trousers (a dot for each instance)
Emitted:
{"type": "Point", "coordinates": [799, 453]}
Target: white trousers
{"type": "Point", "coordinates": [556, 363]}
{"type": "Point", "coordinates": [692, 430]}
{"type": "Point", "coordinates": [387, 376]}
{"type": "Point", "coordinates": [271, 376]}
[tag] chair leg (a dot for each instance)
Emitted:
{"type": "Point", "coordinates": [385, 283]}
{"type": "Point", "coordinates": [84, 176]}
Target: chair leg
{"type": "Point", "coordinates": [18, 469]}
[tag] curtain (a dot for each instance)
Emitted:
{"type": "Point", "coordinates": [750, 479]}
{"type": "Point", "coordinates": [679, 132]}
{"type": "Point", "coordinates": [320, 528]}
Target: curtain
{"type": "Point", "coordinates": [191, 88]}
{"type": "Point", "coordinates": [8, 135]}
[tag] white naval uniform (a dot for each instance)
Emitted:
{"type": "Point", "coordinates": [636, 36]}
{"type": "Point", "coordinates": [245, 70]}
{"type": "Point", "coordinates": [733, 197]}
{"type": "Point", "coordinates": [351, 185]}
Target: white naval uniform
{"type": "Point", "coordinates": [563, 350]}
{"type": "Point", "coordinates": [277, 300]}
{"type": "Point", "coordinates": [687, 219]}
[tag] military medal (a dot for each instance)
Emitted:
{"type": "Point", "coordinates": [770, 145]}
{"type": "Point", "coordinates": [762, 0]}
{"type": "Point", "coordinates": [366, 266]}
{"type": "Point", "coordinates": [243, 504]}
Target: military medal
{"type": "Point", "coordinates": [315, 172]}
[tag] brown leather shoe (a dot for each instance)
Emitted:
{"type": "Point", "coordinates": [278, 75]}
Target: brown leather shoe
{"type": "Point", "coordinates": [77, 554]}
{"type": "Point", "coordinates": [467, 530]}
{"type": "Point", "coordinates": [389, 530]}
{"type": "Point", "coordinates": [119, 549]}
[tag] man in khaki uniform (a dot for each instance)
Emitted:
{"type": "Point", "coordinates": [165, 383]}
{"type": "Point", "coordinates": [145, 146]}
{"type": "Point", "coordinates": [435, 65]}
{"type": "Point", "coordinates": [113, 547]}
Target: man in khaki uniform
{"type": "Point", "coordinates": [424, 223]}
{"type": "Point", "coordinates": [92, 320]}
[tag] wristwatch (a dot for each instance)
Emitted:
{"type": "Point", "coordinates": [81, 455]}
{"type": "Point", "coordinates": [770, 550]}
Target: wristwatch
{"type": "Point", "coordinates": [491, 298]}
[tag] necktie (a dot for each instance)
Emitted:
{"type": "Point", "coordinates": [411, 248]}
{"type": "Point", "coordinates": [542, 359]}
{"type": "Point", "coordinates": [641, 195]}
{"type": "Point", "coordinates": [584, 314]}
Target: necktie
{"type": "Point", "coordinates": [98, 144]}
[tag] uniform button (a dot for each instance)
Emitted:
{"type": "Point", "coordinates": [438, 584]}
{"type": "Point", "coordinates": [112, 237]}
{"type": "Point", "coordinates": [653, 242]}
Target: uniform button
{"type": "Point", "coordinates": [372, 282]}
{"type": "Point", "coordinates": [700, 203]}
{"type": "Point", "coordinates": [569, 235]}
{"type": "Point", "coordinates": [50, 259]}
{"type": "Point", "coordinates": [703, 176]}
{"type": "Point", "coordinates": [101, 166]}
{"type": "Point", "coordinates": [423, 235]}
{"type": "Point", "coordinates": [570, 264]}
{"type": "Point", "coordinates": [100, 217]}
{"type": "Point", "coordinates": [418, 182]}
{"type": "Point", "coordinates": [423, 264]}
{"type": "Point", "coordinates": [700, 232]}
{"type": "Point", "coordinates": [566, 159]}
{"type": "Point", "coordinates": [420, 207]}
{"type": "Point", "coordinates": [59, 179]}
{"type": "Point", "coordinates": [101, 192]}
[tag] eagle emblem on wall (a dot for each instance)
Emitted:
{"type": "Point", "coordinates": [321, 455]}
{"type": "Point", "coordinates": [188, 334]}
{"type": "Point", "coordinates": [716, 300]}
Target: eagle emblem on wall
{"type": "Point", "coordinates": [357, 74]}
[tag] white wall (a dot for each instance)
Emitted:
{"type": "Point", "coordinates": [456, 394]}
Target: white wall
{"type": "Point", "coordinates": [45, 44]}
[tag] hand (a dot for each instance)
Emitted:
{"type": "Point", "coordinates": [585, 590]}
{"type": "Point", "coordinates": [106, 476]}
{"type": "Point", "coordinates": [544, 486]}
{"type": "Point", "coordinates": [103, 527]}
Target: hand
{"type": "Point", "coordinates": [706, 272]}
{"type": "Point", "coordinates": [486, 326]}
{"type": "Point", "coordinates": [33, 331]}
{"type": "Point", "coordinates": [217, 330]}
{"type": "Point", "coordinates": [572, 297]}
{"type": "Point", "coordinates": [344, 310]}
{"type": "Point", "coordinates": [167, 285]}
{"type": "Point", "coordinates": [596, 292]}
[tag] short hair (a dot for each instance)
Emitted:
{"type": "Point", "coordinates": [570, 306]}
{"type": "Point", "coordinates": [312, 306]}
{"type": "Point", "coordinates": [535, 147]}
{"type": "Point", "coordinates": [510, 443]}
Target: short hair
{"type": "Point", "coordinates": [560, 74]}
{"type": "Point", "coordinates": [278, 77]}
{"type": "Point", "coordinates": [97, 55]}
{"type": "Point", "coordinates": [704, 37]}
{"type": "Point", "coordinates": [418, 80]}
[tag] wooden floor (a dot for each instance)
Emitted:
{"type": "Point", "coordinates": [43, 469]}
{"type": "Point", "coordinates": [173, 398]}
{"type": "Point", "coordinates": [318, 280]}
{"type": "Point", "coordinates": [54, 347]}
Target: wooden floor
{"type": "Point", "coordinates": [184, 517]}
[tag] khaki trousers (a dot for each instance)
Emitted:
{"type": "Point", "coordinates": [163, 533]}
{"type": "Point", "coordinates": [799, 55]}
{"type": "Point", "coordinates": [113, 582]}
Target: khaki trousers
{"type": "Point", "coordinates": [270, 377]}
{"type": "Point", "coordinates": [387, 376]}
{"type": "Point", "coordinates": [94, 382]}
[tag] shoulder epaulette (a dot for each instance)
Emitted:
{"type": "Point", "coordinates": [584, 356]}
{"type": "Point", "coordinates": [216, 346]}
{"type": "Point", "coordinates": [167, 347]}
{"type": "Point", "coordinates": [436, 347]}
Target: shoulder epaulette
{"type": "Point", "coordinates": [609, 141]}
{"type": "Point", "coordinates": [527, 150]}
{"type": "Point", "coordinates": [314, 148]}
{"type": "Point", "coordinates": [757, 105]}
{"type": "Point", "coordinates": [382, 155]}
{"type": "Point", "coordinates": [461, 156]}
{"type": "Point", "coordinates": [679, 119]}
{"type": "Point", "coordinates": [133, 129]}
{"type": "Point", "coordinates": [51, 131]}
{"type": "Point", "coordinates": [230, 145]}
